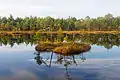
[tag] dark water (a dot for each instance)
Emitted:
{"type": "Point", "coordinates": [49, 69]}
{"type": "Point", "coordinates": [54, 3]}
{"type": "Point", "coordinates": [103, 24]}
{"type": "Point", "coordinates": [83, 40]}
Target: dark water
{"type": "Point", "coordinates": [20, 61]}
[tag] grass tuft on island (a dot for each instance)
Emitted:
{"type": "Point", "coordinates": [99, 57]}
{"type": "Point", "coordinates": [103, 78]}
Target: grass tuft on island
{"type": "Point", "coordinates": [72, 48]}
{"type": "Point", "coordinates": [63, 48]}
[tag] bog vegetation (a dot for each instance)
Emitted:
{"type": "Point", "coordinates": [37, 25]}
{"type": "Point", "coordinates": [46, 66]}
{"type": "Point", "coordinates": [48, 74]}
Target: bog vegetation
{"type": "Point", "coordinates": [108, 22]}
{"type": "Point", "coordinates": [63, 48]}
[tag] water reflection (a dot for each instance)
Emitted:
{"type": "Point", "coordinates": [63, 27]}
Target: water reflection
{"type": "Point", "coordinates": [16, 39]}
{"type": "Point", "coordinates": [64, 60]}
{"type": "Point", "coordinates": [17, 64]}
{"type": "Point", "coordinates": [39, 59]}
{"type": "Point", "coordinates": [106, 40]}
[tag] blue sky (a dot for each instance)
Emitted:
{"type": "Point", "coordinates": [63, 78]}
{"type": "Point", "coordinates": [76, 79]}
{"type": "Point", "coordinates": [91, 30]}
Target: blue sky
{"type": "Point", "coordinates": [59, 8]}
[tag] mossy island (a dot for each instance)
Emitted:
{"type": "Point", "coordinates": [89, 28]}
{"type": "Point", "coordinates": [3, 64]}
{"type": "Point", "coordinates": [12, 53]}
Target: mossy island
{"type": "Point", "coordinates": [69, 48]}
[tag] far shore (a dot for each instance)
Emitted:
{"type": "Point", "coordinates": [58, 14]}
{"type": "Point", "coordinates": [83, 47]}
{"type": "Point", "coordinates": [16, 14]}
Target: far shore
{"type": "Point", "coordinates": [64, 32]}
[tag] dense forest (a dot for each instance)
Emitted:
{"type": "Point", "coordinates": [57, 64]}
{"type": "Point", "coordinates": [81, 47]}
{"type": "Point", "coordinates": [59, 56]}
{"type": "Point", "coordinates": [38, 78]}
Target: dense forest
{"type": "Point", "coordinates": [108, 22]}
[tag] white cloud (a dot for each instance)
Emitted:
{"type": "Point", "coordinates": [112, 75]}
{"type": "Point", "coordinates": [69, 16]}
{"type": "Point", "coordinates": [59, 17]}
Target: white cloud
{"type": "Point", "coordinates": [59, 8]}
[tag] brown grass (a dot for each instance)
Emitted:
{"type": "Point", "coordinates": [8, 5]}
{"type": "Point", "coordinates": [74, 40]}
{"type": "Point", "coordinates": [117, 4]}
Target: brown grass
{"type": "Point", "coordinates": [63, 48]}
{"type": "Point", "coordinates": [72, 48]}
{"type": "Point", "coordinates": [66, 32]}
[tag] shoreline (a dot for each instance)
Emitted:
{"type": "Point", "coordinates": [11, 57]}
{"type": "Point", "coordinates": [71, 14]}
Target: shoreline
{"type": "Point", "coordinates": [64, 32]}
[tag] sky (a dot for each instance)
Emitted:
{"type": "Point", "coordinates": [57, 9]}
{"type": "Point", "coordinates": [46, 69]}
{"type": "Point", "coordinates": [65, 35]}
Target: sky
{"type": "Point", "coordinates": [59, 8]}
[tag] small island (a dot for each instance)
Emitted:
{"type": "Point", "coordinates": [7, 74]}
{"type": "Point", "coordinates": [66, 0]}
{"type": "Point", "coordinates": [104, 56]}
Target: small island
{"type": "Point", "coordinates": [69, 48]}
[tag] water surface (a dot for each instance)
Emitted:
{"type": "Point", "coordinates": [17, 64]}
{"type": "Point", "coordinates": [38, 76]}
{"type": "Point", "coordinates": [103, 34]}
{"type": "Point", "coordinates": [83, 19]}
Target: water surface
{"type": "Point", "coordinates": [20, 61]}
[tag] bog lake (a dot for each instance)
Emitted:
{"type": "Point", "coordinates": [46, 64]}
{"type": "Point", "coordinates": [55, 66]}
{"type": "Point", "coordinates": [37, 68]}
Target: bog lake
{"type": "Point", "coordinates": [20, 61]}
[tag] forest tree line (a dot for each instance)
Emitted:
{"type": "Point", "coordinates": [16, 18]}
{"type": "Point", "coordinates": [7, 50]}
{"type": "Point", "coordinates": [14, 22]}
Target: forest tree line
{"type": "Point", "coordinates": [107, 22]}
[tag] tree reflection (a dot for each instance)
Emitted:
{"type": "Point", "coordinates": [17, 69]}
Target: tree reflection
{"type": "Point", "coordinates": [39, 60]}
{"type": "Point", "coordinates": [106, 40]}
{"type": "Point", "coordinates": [11, 40]}
{"type": "Point", "coordinates": [60, 59]}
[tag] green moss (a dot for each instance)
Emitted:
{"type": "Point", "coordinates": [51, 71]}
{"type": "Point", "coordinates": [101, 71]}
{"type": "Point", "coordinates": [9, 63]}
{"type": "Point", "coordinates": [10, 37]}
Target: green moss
{"type": "Point", "coordinates": [47, 46]}
{"type": "Point", "coordinates": [63, 48]}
